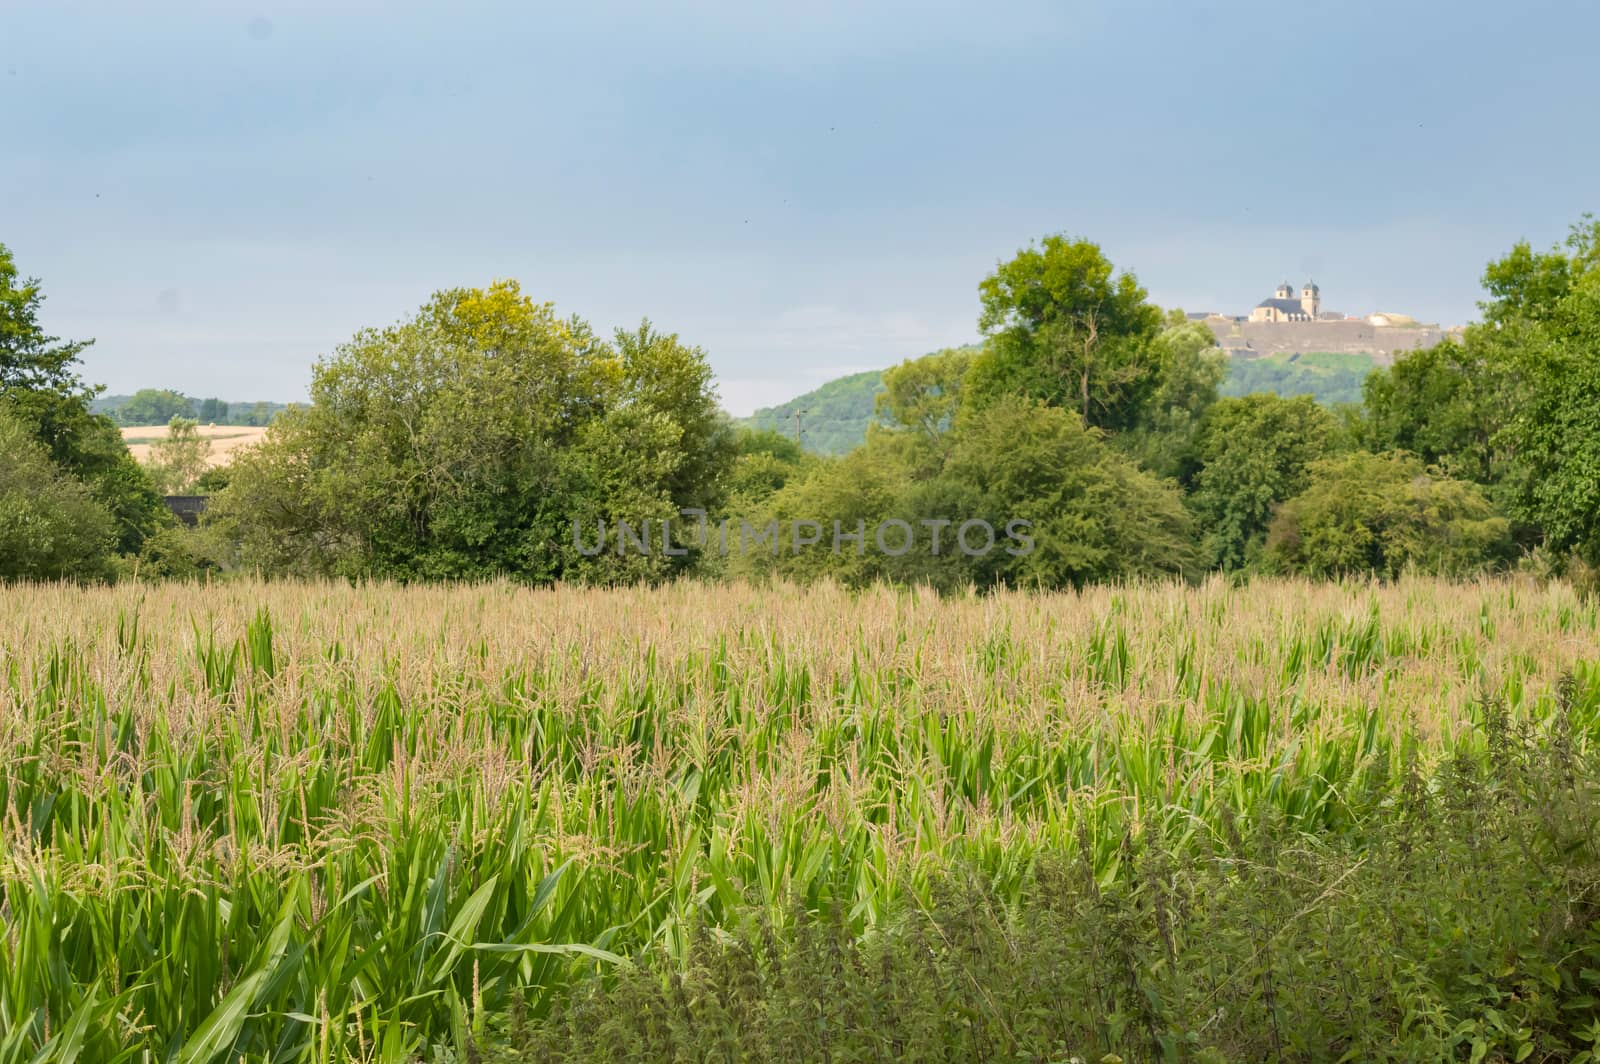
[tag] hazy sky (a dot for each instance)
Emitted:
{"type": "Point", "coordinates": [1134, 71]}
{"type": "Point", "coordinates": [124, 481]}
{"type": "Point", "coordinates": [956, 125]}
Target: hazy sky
{"type": "Point", "coordinates": [219, 193]}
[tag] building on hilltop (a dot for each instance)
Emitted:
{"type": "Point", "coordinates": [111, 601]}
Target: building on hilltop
{"type": "Point", "coordinates": [1285, 325]}
{"type": "Point", "coordinates": [1283, 306]}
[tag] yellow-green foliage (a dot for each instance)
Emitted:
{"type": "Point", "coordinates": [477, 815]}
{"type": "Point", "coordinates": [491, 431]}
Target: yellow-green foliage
{"type": "Point", "coordinates": [315, 821]}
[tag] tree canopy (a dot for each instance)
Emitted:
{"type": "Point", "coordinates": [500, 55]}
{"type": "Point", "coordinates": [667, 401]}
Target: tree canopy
{"type": "Point", "coordinates": [180, 458]}
{"type": "Point", "coordinates": [41, 390]}
{"type": "Point", "coordinates": [1055, 504]}
{"type": "Point", "coordinates": [50, 525]}
{"type": "Point", "coordinates": [472, 438]}
{"type": "Point", "coordinates": [153, 406]}
{"type": "Point", "coordinates": [1252, 454]}
{"type": "Point", "coordinates": [1382, 513]}
{"type": "Point", "coordinates": [1543, 327]}
{"type": "Point", "coordinates": [1514, 407]}
{"type": "Point", "coordinates": [486, 435]}
{"type": "Point", "coordinates": [1065, 328]}
{"type": "Point", "coordinates": [30, 360]}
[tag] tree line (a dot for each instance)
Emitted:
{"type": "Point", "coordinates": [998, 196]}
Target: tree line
{"type": "Point", "coordinates": [477, 436]}
{"type": "Point", "coordinates": [158, 406]}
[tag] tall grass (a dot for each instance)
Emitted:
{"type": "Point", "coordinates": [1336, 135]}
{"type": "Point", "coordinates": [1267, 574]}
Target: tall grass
{"type": "Point", "coordinates": [317, 822]}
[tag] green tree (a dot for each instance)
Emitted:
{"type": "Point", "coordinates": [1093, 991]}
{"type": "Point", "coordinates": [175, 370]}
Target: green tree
{"type": "Point", "coordinates": [674, 382]}
{"type": "Point", "coordinates": [477, 438]}
{"type": "Point", "coordinates": [859, 489]}
{"type": "Point", "coordinates": [1381, 514]}
{"type": "Point", "coordinates": [1530, 286]}
{"type": "Point", "coordinates": [178, 459]}
{"type": "Point", "coordinates": [41, 389]}
{"type": "Point", "coordinates": [177, 552]}
{"type": "Point", "coordinates": [924, 393]}
{"type": "Point", "coordinates": [1063, 329]}
{"type": "Point", "coordinates": [153, 406]}
{"type": "Point", "coordinates": [1189, 367]}
{"type": "Point", "coordinates": [1446, 404]}
{"type": "Point", "coordinates": [1252, 453]}
{"type": "Point", "coordinates": [1544, 320]}
{"type": "Point", "coordinates": [31, 361]}
{"type": "Point", "coordinates": [764, 461]}
{"type": "Point", "coordinates": [213, 412]}
{"type": "Point", "coordinates": [51, 527]}
{"type": "Point", "coordinates": [1016, 465]}
{"type": "Point", "coordinates": [1094, 514]}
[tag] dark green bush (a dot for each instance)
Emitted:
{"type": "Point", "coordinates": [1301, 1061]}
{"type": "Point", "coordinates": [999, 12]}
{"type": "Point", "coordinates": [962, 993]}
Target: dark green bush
{"type": "Point", "coordinates": [1381, 514]}
{"type": "Point", "coordinates": [51, 525]}
{"type": "Point", "coordinates": [179, 553]}
{"type": "Point", "coordinates": [1457, 923]}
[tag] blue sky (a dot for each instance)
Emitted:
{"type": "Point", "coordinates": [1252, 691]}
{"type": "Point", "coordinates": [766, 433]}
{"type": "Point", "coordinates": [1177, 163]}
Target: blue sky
{"type": "Point", "coordinates": [220, 193]}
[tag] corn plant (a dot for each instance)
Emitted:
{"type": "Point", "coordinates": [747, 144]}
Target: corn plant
{"type": "Point", "coordinates": [317, 822]}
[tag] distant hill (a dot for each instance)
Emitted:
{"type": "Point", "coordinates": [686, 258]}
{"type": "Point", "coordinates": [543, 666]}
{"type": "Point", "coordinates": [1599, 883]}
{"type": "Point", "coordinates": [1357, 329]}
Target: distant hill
{"type": "Point", "coordinates": [1327, 377]}
{"type": "Point", "coordinates": [833, 418]}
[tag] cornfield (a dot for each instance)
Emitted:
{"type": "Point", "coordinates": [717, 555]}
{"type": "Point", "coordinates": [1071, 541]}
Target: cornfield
{"type": "Point", "coordinates": [317, 822]}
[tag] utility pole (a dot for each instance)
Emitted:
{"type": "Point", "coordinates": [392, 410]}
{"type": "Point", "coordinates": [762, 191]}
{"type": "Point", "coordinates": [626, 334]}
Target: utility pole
{"type": "Point", "coordinates": [797, 415]}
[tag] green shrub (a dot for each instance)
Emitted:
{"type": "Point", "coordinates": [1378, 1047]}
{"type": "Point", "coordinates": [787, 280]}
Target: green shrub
{"type": "Point", "coordinates": [179, 553]}
{"type": "Point", "coordinates": [1379, 514]}
{"type": "Point", "coordinates": [50, 525]}
{"type": "Point", "coordinates": [1458, 923]}
{"type": "Point", "coordinates": [1252, 453]}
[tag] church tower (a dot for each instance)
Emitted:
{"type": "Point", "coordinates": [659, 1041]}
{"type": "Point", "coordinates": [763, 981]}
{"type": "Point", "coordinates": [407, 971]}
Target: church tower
{"type": "Point", "coordinates": [1311, 299]}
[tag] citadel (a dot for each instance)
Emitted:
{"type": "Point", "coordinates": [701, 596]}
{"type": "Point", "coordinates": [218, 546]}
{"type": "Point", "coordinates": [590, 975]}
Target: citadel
{"type": "Point", "coordinates": [1288, 323]}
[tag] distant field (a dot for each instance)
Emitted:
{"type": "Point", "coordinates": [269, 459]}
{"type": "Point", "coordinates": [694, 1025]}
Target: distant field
{"type": "Point", "coordinates": [225, 439]}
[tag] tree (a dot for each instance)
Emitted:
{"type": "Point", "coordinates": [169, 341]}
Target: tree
{"type": "Point", "coordinates": [1381, 514]}
{"type": "Point", "coordinates": [40, 388]}
{"type": "Point", "coordinates": [1445, 404]}
{"type": "Point", "coordinates": [924, 393]}
{"type": "Point", "coordinates": [673, 380]}
{"type": "Point", "coordinates": [178, 460]}
{"type": "Point", "coordinates": [50, 525]}
{"type": "Point", "coordinates": [213, 411]}
{"type": "Point", "coordinates": [477, 438]}
{"type": "Point", "coordinates": [861, 488]}
{"type": "Point", "coordinates": [1529, 286]}
{"type": "Point", "coordinates": [179, 553]}
{"type": "Point", "coordinates": [30, 361]}
{"type": "Point", "coordinates": [1064, 330]}
{"type": "Point", "coordinates": [1545, 319]}
{"type": "Point", "coordinates": [764, 461]}
{"type": "Point", "coordinates": [1088, 512]}
{"type": "Point", "coordinates": [1252, 453]}
{"type": "Point", "coordinates": [1189, 367]}
{"type": "Point", "coordinates": [1094, 514]}
{"type": "Point", "coordinates": [151, 406]}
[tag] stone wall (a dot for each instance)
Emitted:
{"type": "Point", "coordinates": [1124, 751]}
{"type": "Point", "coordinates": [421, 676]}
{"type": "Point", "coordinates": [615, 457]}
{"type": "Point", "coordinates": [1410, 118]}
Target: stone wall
{"type": "Point", "coordinates": [1354, 336]}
